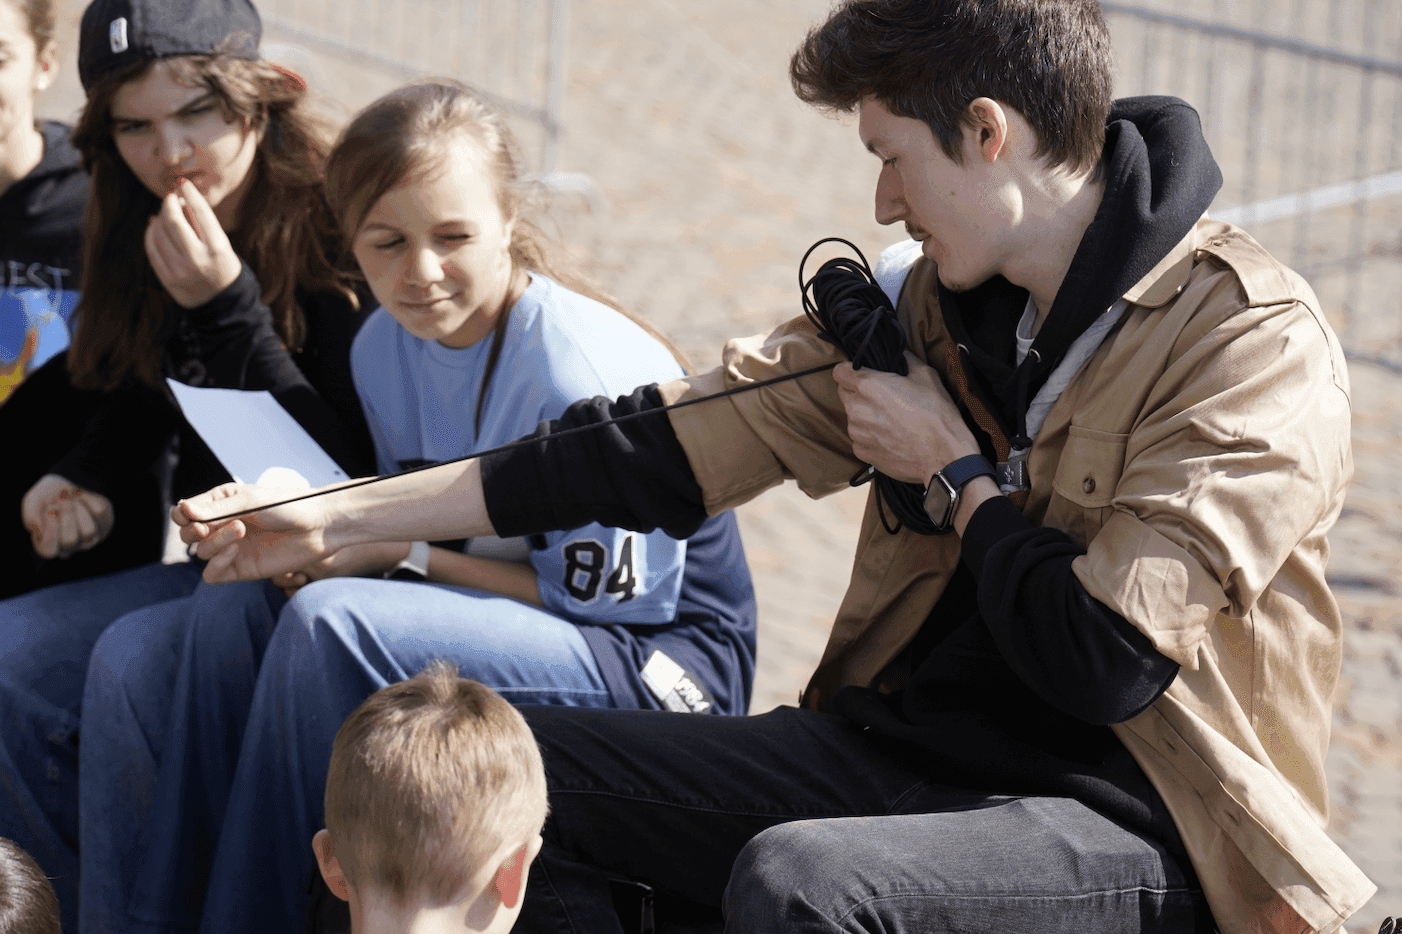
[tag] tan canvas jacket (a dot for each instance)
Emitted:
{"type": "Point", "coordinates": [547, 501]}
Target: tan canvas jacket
{"type": "Point", "coordinates": [1200, 455]}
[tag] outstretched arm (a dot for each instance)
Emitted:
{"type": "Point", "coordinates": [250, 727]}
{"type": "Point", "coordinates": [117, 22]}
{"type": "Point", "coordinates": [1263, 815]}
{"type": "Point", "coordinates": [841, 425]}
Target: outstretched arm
{"type": "Point", "coordinates": [507, 578]}
{"type": "Point", "coordinates": [437, 504]}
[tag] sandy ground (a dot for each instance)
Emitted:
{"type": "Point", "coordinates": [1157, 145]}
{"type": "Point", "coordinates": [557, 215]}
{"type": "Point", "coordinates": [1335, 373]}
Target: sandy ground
{"type": "Point", "coordinates": [714, 180]}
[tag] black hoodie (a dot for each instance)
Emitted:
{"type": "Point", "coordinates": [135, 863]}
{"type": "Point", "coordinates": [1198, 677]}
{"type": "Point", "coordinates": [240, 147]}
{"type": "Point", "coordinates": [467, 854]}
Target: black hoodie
{"type": "Point", "coordinates": [41, 251]}
{"type": "Point", "coordinates": [1017, 670]}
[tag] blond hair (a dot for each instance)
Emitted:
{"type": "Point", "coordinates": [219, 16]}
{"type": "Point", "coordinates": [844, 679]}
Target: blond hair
{"type": "Point", "coordinates": [406, 135]}
{"type": "Point", "coordinates": [27, 901]}
{"type": "Point", "coordinates": [429, 779]}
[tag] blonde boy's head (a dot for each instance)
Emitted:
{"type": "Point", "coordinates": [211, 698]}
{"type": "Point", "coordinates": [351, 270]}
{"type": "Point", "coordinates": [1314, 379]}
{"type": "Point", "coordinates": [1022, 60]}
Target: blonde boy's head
{"type": "Point", "coordinates": [434, 803]}
{"type": "Point", "coordinates": [27, 901]}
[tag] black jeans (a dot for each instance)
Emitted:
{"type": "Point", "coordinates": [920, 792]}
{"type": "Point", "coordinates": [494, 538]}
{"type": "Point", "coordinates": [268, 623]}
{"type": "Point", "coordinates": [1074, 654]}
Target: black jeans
{"type": "Point", "coordinates": [826, 830]}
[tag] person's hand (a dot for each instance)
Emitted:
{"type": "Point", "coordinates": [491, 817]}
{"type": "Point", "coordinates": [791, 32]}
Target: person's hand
{"type": "Point", "coordinates": [63, 518]}
{"type": "Point", "coordinates": [907, 427]}
{"type": "Point", "coordinates": [368, 560]}
{"type": "Point", "coordinates": [13, 374]}
{"type": "Point", "coordinates": [263, 543]}
{"type": "Point", "coordinates": [188, 250]}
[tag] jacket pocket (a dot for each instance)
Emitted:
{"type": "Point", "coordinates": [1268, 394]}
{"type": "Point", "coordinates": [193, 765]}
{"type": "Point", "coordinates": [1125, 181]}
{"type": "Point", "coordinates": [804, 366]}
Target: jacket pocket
{"type": "Point", "coordinates": [1090, 467]}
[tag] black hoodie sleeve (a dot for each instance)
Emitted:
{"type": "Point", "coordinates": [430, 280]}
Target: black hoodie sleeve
{"type": "Point", "coordinates": [1070, 648]}
{"type": "Point", "coordinates": [1067, 646]}
{"type": "Point", "coordinates": [236, 347]}
{"type": "Point", "coordinates": [632, 474]}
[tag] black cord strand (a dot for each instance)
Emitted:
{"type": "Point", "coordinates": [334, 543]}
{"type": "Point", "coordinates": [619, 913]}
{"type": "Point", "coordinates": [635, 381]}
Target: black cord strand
{"type": "Point", "coordinates": [533, 439]}
{"type": "Point", "coordinates": [850, 311]}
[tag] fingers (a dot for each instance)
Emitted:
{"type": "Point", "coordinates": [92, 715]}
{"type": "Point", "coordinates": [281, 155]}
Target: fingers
{"type": "Point", "coordinates": [205, 225]}
{"type": "Point", "coordinates": [178, 221]}
{"type": "Point", "coordinates": [63, 518]}
{"type": "Point", "coordinates": [188, 250]}
{"type": "Point", "coordinates": [219, 539]}
{"type": "Point", "coordinates": [201, 508]}
{"type": "Point", "coordinates": [85, 525]}
{"type": "Point", "coordinates": [171, 243]}
{"type": "Point", "coordinates": [155, 244]}
{"type": "Point", "coordinates": [221, 551]}
{"type": "Point", "coordinates": [196, 515]}
{"type": "Point", "coordinates": [59, 534]}
{"type": "Point", "coordinates": [98, 510]}
{"type": "Point", "coordinates": [45, 538]}
{"type": "Point", "coordinates": [31, 513]}
{"type": "Point", "coordinates": [291, 582]}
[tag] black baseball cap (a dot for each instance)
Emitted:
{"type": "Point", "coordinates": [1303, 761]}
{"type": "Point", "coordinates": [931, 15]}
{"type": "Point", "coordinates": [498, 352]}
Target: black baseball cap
{"type": "Point", "coordinates": [117, 32]}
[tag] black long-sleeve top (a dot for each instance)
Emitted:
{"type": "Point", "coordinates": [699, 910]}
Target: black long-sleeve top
{"type": "Point", "coordinates": [229, 342]}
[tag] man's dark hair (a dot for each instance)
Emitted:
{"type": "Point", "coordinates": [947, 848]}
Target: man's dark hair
{"type": "Point", "coordinates": [1049, 60]}
{"type": "Point", "coordinates": [27, 901]}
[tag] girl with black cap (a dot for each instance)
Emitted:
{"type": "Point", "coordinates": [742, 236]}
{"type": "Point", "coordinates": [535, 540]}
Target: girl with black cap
{"type": "Point", "coordinates": [189, 274]}
{"type": "Point", "coordinates": [212, 258]}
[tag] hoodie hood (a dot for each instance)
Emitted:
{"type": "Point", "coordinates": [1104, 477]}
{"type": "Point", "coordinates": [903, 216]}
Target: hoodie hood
{"type": "Point", "coordinates": [1160, 177]}
{"type": "Point", "coordinates": [57, 184]}
{"type": "Point", "coordinates": [42, 214]}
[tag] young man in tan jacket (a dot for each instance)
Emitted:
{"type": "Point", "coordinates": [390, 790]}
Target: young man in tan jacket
{"type": "Point", "coordinates": [1103, 702]}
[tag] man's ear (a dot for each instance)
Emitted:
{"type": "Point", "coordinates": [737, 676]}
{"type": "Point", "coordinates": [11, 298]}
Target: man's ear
{"type": "Point", "coordinates": [511, 874]}
{"type": "Point", "coordinates": [988, 122]}
{"type": "Point", "coordinates": [330, 866]}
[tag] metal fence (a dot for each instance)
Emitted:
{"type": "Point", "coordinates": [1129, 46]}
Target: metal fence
{"type": "Point", "coordinates": [512, 51]}
{"type": "Point", "coordinates": [1302, 104]}
{"type": "Point", "coordinates": [1301, 101]}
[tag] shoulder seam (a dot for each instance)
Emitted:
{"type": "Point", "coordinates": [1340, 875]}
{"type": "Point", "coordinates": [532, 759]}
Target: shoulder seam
{"type": "Point", "coordinates": [1264, 280]}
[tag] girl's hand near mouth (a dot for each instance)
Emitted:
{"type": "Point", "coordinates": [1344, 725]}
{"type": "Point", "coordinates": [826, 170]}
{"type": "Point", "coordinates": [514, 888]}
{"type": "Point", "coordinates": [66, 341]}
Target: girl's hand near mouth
{"type": "Point", "coordinates": [188, 250]}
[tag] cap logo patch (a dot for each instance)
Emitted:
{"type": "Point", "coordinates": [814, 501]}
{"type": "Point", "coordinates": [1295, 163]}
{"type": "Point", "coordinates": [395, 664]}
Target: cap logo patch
{"type": "Point", "coordinates": [117, 34]}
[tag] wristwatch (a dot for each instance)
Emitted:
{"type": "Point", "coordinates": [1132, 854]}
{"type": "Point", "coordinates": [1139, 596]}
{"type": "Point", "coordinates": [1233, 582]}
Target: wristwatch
{"type": "Point", "coordinates": [942, 493]}
{"type": "Point", "coordinates": [414, 567]}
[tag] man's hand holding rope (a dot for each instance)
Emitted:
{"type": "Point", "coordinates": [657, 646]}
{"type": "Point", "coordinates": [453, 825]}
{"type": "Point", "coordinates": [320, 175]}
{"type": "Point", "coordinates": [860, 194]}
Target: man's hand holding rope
{"type": "Point", "coordinates": [908, 427]}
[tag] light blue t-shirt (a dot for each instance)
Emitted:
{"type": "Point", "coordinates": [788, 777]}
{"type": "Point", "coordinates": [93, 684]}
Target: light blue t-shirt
{"type": "Point", "coordinates": [420, 399]}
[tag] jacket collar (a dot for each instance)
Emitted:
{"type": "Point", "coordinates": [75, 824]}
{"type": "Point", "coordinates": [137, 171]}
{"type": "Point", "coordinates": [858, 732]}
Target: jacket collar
{"type": "Point", "coordinates": [1169, 276]}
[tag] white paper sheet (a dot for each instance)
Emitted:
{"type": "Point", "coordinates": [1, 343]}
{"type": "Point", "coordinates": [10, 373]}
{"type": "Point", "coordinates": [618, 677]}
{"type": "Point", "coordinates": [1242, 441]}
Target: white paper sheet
{"type": "Point", "coordinates": [251, 434]}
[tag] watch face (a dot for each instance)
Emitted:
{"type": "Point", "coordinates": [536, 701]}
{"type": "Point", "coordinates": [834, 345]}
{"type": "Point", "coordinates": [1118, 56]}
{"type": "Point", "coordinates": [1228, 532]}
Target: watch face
{"type": "Point", "coordinates": [939, 502]}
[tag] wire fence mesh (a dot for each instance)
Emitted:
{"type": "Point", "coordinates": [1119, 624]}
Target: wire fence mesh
{"type": "Point", "coordinates": [1302, 104]}
{"type": "Point", "coordinates": [1301, 101]}
{"type": "Point", "coordinates": [513, 51]}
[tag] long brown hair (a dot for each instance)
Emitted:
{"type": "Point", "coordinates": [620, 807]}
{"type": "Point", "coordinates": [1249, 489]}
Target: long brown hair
{"type": "Point", "coordinates": [287, 234]}
{"type": "Point", "coordinates": [405, 134]}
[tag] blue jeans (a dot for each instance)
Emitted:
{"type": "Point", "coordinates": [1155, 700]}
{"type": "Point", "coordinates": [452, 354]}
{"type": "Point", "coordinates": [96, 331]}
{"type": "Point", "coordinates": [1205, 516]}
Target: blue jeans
{"type": "Point", "coordinates": [796, 821]}
{"type": "Point", "coordinates": [46, 637]}
{"type": "Point", "coordinates": [227, 771]}
{"type": "Point", "coordinates": [166, 703]}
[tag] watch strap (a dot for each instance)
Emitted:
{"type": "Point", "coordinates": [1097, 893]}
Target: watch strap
{"type": "Point", "coordinates": [959, 473]}
{"type": "Point", "coordinates": [948, 483]}
{"type": "Point", "coordinates": [414, 567]}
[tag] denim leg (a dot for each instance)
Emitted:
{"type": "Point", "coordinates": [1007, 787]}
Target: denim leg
{"type": "Point", "coordinates": [1026, 864]}
{"type": "Point", "coordinates": [46, 638]}
{"type": "Point", "coordinates": [335, 644]}
{"type": "Point", "coordinates": [671, 801]}
{"type": "Point", "coordinates": [168, 694]}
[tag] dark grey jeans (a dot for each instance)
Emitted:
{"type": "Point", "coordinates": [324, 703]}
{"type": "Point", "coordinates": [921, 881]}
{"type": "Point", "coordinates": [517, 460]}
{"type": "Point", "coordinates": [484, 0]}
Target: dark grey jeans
{"type": "Point", "coordinates": [797, 822]}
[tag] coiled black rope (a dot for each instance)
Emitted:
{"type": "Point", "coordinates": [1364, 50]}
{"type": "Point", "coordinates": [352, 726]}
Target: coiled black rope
{"type": "Point", "coordinates": [850, 311]}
